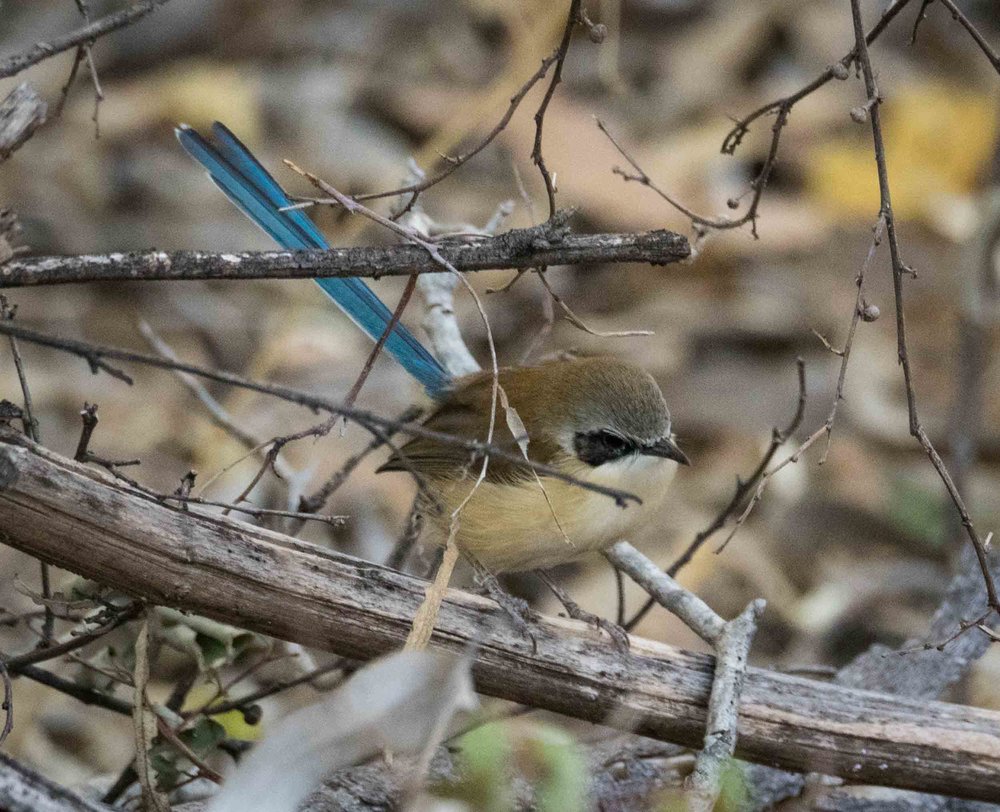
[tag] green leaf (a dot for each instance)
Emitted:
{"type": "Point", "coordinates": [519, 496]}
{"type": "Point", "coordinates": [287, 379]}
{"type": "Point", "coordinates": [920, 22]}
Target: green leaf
{"type": "Point", "coordinates": [562, 773]}
{"type": "Point", "coordinates": [545, 756]}
{"type": "Point", "coordinates": [204, 737]}
{"type": "Point", "coordinates": [733, 795]}
{"type": "Point", "coordinates": [486, 756]}
{"type": "Point", "coordinates": [918, 512]}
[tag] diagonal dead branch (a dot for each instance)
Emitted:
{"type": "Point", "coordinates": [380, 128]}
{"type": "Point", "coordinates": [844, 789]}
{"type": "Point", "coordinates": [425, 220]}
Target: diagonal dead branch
{"type": "Point", "coordinates": [974, 32]}
{"type": "Point", "coordinates": [13, 65]}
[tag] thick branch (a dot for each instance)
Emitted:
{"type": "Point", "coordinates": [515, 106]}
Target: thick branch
{"type": "Point", "coordinates": [77, 518]}
{"type": "Point", "coordinates": [732, 650]}
{"type": "Point", "coordinates": [522, 248]}
{"type": "Point", "coordinates": [13, 65]}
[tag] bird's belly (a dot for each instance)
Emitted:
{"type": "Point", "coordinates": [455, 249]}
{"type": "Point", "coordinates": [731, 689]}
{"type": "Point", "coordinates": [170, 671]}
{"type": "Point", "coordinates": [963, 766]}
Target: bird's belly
{"type": "Point", "coordinates": [510, 527]}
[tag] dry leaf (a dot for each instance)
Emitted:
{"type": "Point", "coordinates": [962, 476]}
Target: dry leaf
{"type": "Point", "coordinates": [397, 704]}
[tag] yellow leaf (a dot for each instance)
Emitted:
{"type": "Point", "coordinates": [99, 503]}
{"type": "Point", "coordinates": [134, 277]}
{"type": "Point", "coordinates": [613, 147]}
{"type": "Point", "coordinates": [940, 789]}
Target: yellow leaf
{"type": "Point", "coordinates": [233, 723]}
{"type": "Point", "coordinates": [195, 92]}
{"type": "Point", "coordinates": [938, 139]}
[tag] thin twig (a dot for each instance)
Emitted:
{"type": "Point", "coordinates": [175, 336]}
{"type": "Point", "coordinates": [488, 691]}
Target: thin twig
{"type": "Point", "coordinates": [98, 91]}
{"type": "Point", "coordinates": [577, 322]}
{"type": "Point", "coordinates": [899, 271]}
{"type": "Point", "coordinates": [30, 423]}
{"type": "Point", "coordinates": [217, 412]}
{"type": "Point", "coordinates": [639, 176]}
{"type": "Point", "coordinates": [64, 93]}
{"type": "Point", "coordinates": [17, 662]}
{"type": "Point", "coordinates": [743, 487]}
{"type": "Point", "coordinates": [757, 185]}
{"type": "Point", "coordinates": [7, 706]}
{"type": "Point", "coordinates": [94, 353]}
{"type": "Point", "coordinates": [572, 20]}
{"type": "Point", "coordinates": [839, 70]}
{"type": "Point", "coordinates": [862, 312]}
{"type": "Point", "coordinates": [856, 316]}
{"type": "Point", "coordinates": [974, 32]}
{"type": "Point", "coordinates": [168, 734]}
{"type": "Point", "coordinates": [781, 108]}
{"type": "Point", "coordinates": [13, 65]}
{"type": "Point", "coordinates": [82, 693]}
{"type": "Point", "coordinates": [921, 16]}
{"type": "Point", "coordinates": [318, 498]}
{"type": "Point", "coordinates": [274, 448]}
{"type": "Point", "coordinates": [7, 312]}
{"type": "Point", "coordinates": [411, 532]}
{"type": "Point", "coordinates": [257, 512]}
{"type": "Point", "coordinates": [214, 708]}
{"type": "Point", "coordinates": [182, 494]}
{"type": "Point", "coordinates": [88, 416]}
{"type": "Point", "coordinates": [397, 314]}
{"type": "Point", "coordinates": [454, 162]}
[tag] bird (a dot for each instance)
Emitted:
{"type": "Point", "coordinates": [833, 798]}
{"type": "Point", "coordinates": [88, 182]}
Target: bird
{"type": "Point", "coordinates": [599, 420]}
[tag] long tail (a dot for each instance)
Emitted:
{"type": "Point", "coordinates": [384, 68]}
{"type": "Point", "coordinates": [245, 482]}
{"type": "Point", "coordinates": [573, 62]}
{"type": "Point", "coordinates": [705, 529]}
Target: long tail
{"type": "Point", "coordinates": [233, 168]}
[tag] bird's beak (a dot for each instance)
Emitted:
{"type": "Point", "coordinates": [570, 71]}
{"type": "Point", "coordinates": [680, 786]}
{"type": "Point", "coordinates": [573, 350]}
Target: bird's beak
{"type": "Point", "coordinates": [667, 448]}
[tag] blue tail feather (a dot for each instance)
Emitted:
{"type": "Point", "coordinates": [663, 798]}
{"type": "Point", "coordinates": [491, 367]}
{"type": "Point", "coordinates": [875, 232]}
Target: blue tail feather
{"type": "Point", "coordinates": [242, 178]}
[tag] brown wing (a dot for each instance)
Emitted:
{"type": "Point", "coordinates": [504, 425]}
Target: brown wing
{"type": "Point", "coordinates": [465, 413]}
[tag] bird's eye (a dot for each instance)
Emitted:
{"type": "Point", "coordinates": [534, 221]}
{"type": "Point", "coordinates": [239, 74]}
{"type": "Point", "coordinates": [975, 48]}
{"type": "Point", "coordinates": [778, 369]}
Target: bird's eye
{"type": "Point", "coordinates": [613, 441]}
{"type": "Point", "coordinates": [598, 447]}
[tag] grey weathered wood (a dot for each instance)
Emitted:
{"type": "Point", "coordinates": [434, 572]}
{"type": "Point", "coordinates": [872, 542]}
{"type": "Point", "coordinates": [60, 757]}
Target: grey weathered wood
{"type": "Point", "coordinates": [79, 519]}
{"type": "Point", "coordinates": [21, 113]}
{"type": "Point", "coordinates": [24, 790]}
{"type": "Point", "coordinates": [521, 248]}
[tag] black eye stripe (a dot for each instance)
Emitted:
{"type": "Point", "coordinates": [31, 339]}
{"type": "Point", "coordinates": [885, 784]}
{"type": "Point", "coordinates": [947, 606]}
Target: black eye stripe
{"type": "Point", "coordinates": [598, 447]}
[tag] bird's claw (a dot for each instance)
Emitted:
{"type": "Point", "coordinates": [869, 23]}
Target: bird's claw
{"type": "Point", "coordinates": [617, 634]}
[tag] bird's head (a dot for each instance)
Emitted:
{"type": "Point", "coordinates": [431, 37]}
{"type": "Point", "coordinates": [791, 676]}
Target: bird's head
{"type": "Point", "coordinates": [605, 410]}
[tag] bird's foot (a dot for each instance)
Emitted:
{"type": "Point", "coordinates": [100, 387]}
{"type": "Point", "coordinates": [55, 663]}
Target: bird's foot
{"type": "Point", "coordinates": [617, 634]}
{"type": "Point", "coordinates": [517, 609]}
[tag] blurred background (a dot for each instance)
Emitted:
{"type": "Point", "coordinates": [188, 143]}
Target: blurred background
{"type": "Point", "coordinates": [855, 551]}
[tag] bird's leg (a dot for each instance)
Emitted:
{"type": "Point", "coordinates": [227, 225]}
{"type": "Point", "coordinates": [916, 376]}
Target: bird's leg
{"type": "Point", "coordinates": [617, 634]}
{"type": "Point", "coordinates": [517, 609]}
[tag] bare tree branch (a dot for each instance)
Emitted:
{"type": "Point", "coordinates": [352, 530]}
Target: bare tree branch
{"type": "Point", "coordinates": [13, 65]}
{"type": "Point", "coordinates": [974, 32]}
{"type": "Point", "coordinates": [839, 70]}
{"type": "Point", "coordinates": [572, 20]}
{"type": "Point", "coordinates": [519, 248]}
{"type": "Point", "coordinates": [899, 271]}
